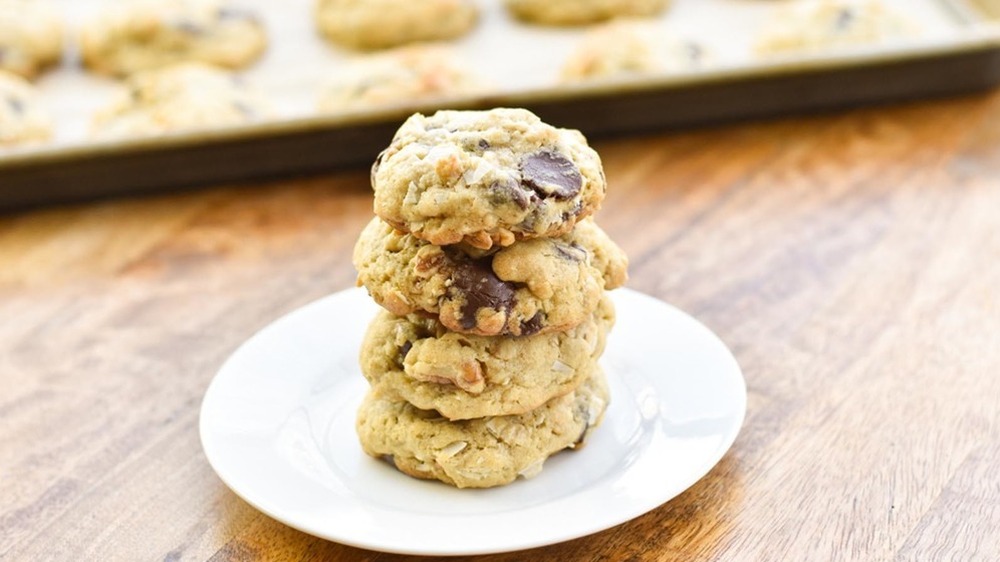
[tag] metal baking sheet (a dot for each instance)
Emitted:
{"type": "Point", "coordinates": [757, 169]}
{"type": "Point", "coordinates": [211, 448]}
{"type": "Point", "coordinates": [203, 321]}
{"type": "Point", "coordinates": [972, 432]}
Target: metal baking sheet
{"type": "Point", "coordinates": [958, 51]}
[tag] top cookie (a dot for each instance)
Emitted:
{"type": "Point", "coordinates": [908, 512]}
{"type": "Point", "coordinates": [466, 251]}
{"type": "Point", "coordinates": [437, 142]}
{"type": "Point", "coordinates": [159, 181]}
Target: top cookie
{"type": "Point", "coordinates": [31, 37]}
{"type": "Point", "coordinates": [486, 178]}
{"type": "Point", "coordinates": [580, 12]}
{"type": "Point", "coordinates": [378, 24]}
{"type": "Point", "coordinates": [147, 34]}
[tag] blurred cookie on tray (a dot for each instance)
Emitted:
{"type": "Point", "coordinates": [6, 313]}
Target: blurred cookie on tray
{"type": "Point", "coordinates": [31, 37]}
{"type": "Point", "coordinates": [411, 75]}
{"type": "Point", "coordinates": [582, 12]}
{"type": "Point", "coordinates": [822, 25]}
{"type": "Point", "coordinates": [630, 48]}
{"type": "Point", "coordinates": [181, 97]}
{"type": "Point", "coordinates": [380, 24]}
{"type": "Point", "coordinates": [22, 118]}
{"type": "Point", "coordinates": [146, 34]}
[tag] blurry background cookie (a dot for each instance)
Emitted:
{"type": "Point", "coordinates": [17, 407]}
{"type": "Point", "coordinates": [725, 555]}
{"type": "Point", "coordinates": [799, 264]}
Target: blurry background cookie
{"type": "Point", "coordinates": [180, 97]}
{"type": "Point", "coordinates": [379, 24]}
{"type": "Point", "coordinates": [413, 74]}
{"type": "Point", "coordinates": [625, 48]}
{"type": "Point", "coordinates": [31, 37]}
{"type": "Point", "coordinates": [578, 12]}
{"type": "Point", "coordinates": [828, 24]}
{"type": "Point", "coordinates": [145, 34]}
{"type": "Point", "coordinates": [22, 119]}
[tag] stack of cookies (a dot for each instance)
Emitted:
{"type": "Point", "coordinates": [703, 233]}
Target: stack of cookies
{"type": "Point", "coordinates": [485, 361]}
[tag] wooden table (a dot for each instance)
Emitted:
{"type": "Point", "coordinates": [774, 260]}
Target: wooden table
{"type": "Point", "coordinates": [852, 263]}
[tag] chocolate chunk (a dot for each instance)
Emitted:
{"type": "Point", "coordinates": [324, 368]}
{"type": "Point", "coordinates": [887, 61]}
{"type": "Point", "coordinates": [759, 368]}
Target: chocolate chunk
{"type": "Point", "coordinates": [235, 14]}
{"type": "Point", "coordinates": [574, 212]}
{"type": "Point", "coordinates": [571, 252]}
{"type": "Point", "coordinates": [504, 192]}
{"type": "Point", "coordinates": [532, 326]}
{"type": "Point", "coordinates": [189, 27]}
{"type": "Point", "coordinates": [375, 166]}
{"type": "Point", "coordinates": [694, 52]}
{"type": "Point", "coordinates": [845, 18]}
{"type": "Point", "coordinates": [481, 288]}
{"type": "Point", "coordinates": [403, 350]}
{"type": "Point", "coordinates": [483, 144]}
{"type": "Point", "coordinates": [245, 109]}
{"type": "Point", "coordinates": [16, 105]}
{"type": "Point", "coordinates": [551, 174]}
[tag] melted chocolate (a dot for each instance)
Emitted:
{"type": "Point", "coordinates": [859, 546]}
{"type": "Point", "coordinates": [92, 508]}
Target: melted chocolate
{"type": "Point", "coordinates": [503, 192]}
{"type": "Point", "coordinates": [532, 326]}
{"type": "Point", "coordinates": [403, 350]}
{"type": "Point", "coordinates": [551, 174]}
{"type": "Point", "coordinates": [16, 105]}
{"type": "Point", "coordinates": [481, 288]}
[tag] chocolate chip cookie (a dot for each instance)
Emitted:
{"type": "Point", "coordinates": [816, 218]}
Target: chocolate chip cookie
{"type": "Point", "coordinates": [579, 12]}
{"type": "Point", "coordinates": [181, 97]}
{"type": "Point", "coordinates": [379, 24]}
{"type": "Point", "coordinates": [31, 36]}
{"type": "Point", "coordinates": [625, 48]}
{"type": "Point", "coordinates": [486, 178]}
{"type": "Point", "coordinates": [534, 286]}
{"type": "Point", "coordinates": [147, 34]}
{"type": "Point", "coordinates": [481, 452]}
{"type": "Point", "coordinates": [463, 376]}
{"type": "Point", "coordinates": [407, 75]}
{"type": "Point", "coordinates": [22, 119]}
{"type": "Point", "coordinates": [833, 24]}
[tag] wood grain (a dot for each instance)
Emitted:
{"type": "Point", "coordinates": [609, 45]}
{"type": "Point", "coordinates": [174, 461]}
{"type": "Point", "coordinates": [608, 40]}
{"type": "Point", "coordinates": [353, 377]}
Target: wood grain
{"type": "Point", "coordinates": [851, 261]}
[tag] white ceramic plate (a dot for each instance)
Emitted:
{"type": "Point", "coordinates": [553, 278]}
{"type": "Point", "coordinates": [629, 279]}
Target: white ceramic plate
{"type": "Point", "coordinates": [277, 425]}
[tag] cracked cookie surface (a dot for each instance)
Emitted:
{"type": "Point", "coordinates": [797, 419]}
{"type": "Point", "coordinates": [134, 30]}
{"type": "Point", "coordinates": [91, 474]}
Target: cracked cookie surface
{"type": "Point", "coordinates": [379, 24]}
{"type": "Point", "coordinates": [31, 36]}
{"type": "Point", "coordinates": [181, 97]}
{"type": "Point", "coordinates": [486, 178]}
{"type": "Point", "coordinates": [22, 119]}
{"type": "Point", "coordinates": [461, 376]}
{"type": "Point", "coordinates": [146, 34]}
{"type": "Point", "coordinates": [534, 286]}
{"type": "Point", "coordinates": [579, 12]}
{"type": "Point", "coordinates": [481, 452]}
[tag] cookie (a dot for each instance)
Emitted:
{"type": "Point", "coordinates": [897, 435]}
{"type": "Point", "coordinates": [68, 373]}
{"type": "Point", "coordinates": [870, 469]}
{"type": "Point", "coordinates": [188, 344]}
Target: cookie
{"type": "Point", "coordinates": [22, 119]}
{"type": "Point", "coordinates": [31, 37]}
{"type": "Point", "coordinates": [624, 48]}
{"type": "Point", "coordinates": [481, 452]}
{"type": "Point", "coordinates": [486, 177]}
{"type": "Point", "coordinates": [181, 97]}
{"type": "Point", "coordinates": [535, 286]}
{"type": "Point", "coordinates": [379, 24]}
{"type": "Point", "coordinates": [832, 24]}
{"type": "Point", "coordinates": [580, 12]}
{"type": "Point", "coordinates": [148, 34]}
{"type": "Point", "coordinates": [461, 376]}
{"type": "Point", "coordinates": [408, 75]}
